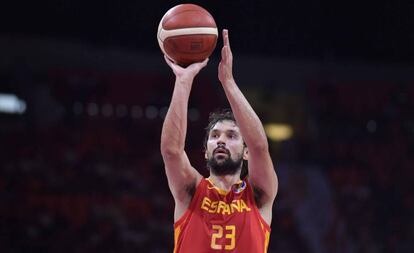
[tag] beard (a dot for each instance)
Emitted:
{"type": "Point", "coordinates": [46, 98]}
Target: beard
{"type": "Point", "coordinates": [224, 166]}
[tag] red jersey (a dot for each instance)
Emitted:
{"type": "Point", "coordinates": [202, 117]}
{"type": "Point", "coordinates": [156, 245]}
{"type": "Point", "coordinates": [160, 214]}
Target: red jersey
{"type": "Point", "coordinates": [218, 221]}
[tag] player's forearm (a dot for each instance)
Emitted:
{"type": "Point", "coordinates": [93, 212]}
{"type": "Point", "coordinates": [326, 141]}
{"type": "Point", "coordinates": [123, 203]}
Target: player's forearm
{"type": "Point", "coordinates": [249, 123]}
{"type": "Point", "coordinates": [175, 124]}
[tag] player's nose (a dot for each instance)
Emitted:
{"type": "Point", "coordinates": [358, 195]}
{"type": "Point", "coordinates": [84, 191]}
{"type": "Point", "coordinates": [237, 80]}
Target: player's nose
{"type": "Point", "coordinates": [221, 140]}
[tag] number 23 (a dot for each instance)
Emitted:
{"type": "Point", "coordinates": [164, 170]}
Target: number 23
{"type": "Point", "coordinates": [230, 233]}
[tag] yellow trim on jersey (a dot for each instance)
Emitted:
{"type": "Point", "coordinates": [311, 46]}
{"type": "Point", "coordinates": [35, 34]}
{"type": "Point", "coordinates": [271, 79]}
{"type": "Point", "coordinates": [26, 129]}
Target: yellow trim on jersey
{"type": "Point", "coordinates": [220, 191]}
{"type": "Point", "coordinates": [177, 232]}
{"type": "Point", "coordinates": [267, 238]}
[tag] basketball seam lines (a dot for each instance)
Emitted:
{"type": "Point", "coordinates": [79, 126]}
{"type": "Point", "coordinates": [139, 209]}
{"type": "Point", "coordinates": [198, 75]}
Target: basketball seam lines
{"type": "Point", "coordinates": [163, 34]}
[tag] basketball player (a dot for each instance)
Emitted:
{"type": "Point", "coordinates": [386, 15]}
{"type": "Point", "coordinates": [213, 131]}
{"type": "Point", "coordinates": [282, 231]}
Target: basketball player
{"type": "Point", "coordinates": [221, 213]}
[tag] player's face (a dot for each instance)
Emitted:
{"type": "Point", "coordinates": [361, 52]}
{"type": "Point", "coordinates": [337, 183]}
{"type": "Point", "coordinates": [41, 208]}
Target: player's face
{"type": "Point", "coordinates": [225, 150]}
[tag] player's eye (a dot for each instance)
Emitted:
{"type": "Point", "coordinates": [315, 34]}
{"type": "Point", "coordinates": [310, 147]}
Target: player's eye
{"type": "Point", "coordinates": [232, 136]}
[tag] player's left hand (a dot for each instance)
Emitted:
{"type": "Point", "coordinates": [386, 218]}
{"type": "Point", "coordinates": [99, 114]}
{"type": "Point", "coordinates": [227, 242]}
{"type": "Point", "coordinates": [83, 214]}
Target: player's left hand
{"type": "Point", "coordinates": [225, 69]}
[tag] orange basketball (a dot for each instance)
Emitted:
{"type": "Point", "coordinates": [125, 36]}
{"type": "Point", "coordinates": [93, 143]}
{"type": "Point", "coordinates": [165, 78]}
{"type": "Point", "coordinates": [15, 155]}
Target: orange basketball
{"type": "Point", "coordinates": [187, 33]}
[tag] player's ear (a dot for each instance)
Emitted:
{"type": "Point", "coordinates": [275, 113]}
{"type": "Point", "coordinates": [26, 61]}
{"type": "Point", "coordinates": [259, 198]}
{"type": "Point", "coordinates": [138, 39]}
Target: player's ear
{"type": "Point", "coordinates": [205, 154]}
{"type": "Point", "coordinates": [245, 153]}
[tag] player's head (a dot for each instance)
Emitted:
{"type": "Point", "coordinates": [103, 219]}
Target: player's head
{"type": "Point", "coordinates": [225, 150]}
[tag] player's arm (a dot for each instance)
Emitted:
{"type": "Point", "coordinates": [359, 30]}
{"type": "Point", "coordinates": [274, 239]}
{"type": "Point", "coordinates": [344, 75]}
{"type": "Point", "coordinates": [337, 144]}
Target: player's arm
{"type": "Point", "coordinates": [261, 171]}
{"type": "Point", "coordinates": [180, 174]}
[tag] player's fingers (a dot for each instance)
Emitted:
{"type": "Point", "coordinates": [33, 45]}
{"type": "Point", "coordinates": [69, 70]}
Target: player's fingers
{"type": "Point", "coordinates": [204, 63]}
{"type": "Point", "coordinates": [197, 66]}
{"type": "Point", "coordinates": [226, 40]}
{"type": "Point", "coordinates": [223, 54]}
{"type": "Point", "coordinates": [167, 60]}
{"type": "Point", "coordinates": [226, 54]}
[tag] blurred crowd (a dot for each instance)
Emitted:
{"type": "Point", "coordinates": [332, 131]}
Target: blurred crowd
{"type": "Point", "coordinates": [82, 181]}
{"type": "Point", "coordinates": [365, 146]}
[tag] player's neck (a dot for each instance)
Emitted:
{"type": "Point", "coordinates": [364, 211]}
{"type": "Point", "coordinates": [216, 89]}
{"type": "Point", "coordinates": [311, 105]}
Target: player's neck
{"type": "Point", "coordinates": [224, 182]}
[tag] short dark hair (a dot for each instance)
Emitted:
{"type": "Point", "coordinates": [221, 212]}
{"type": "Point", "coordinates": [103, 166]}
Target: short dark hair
{"type": "Point", "coordinates": [215, 117]}
{"type": "Point", "coordinates": [218, 116]}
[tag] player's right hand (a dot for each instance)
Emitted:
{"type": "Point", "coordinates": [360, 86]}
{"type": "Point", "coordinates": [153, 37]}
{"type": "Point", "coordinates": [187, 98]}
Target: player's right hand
{"type": "Point", "coordinates": [187, 73]}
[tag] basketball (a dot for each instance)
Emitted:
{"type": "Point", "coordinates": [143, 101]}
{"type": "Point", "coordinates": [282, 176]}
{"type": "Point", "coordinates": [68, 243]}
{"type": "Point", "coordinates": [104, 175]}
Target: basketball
{"type": "Point", "coordinates": [187, 33]}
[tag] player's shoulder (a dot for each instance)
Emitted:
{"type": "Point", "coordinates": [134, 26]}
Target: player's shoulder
{"type": "Point", "coordinates": [200, 182]}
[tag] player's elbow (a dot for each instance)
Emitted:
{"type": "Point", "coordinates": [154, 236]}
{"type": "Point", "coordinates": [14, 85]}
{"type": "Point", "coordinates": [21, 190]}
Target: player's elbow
{"type": "Point", "coordinates": [169, 146]}
{"type": "Point", "coordinates": [169, 151]}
